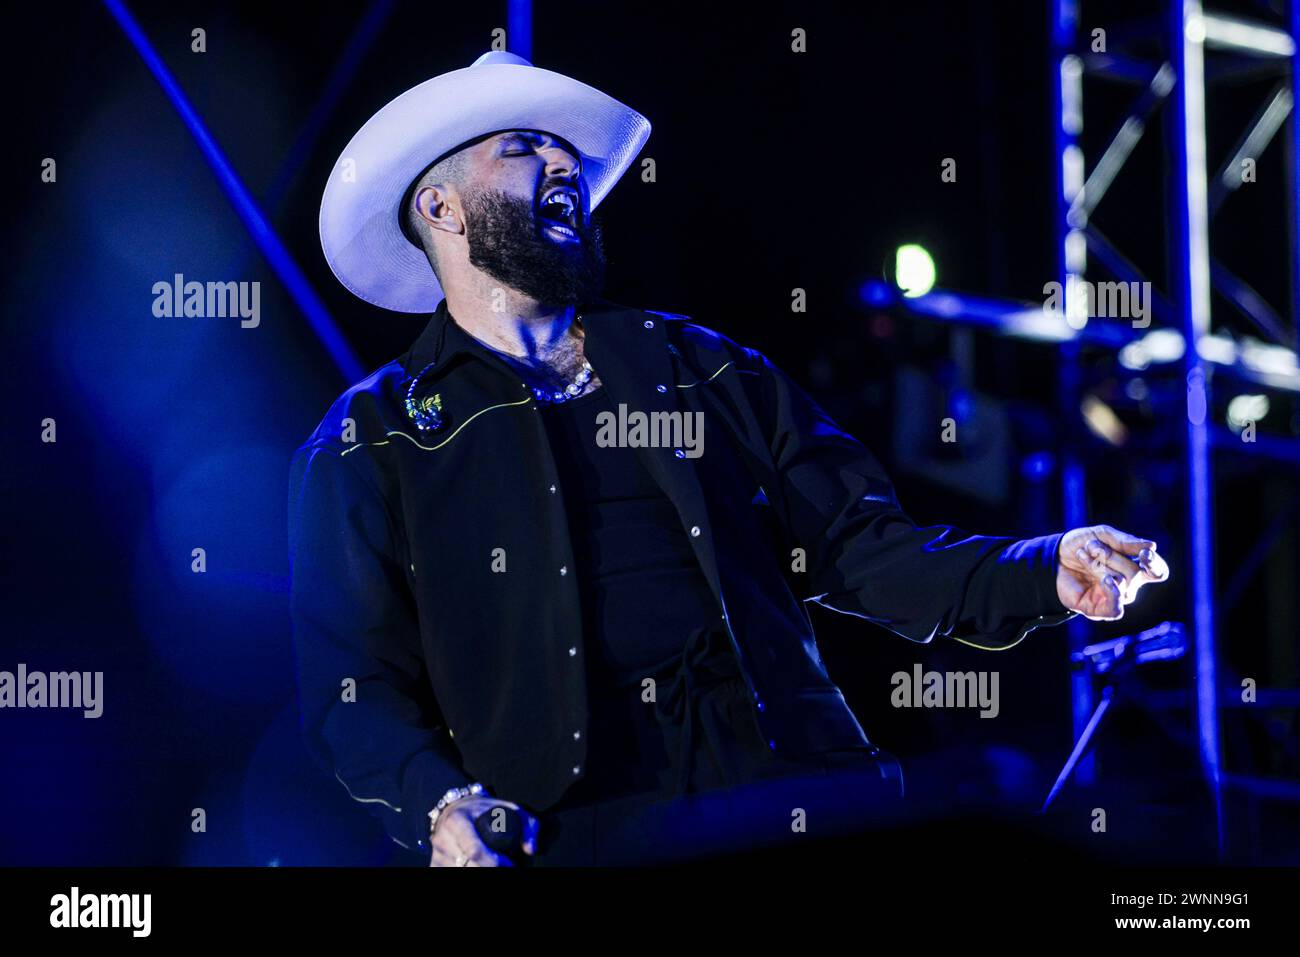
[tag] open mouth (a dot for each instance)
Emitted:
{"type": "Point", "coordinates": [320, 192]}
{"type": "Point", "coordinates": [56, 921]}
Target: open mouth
{"type": "Point", "coordinates": [558, 213]}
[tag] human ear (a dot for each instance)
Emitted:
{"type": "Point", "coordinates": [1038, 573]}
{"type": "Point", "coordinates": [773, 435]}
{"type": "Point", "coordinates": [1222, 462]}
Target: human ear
{"type": "Point", "coordinates": [435, 207]}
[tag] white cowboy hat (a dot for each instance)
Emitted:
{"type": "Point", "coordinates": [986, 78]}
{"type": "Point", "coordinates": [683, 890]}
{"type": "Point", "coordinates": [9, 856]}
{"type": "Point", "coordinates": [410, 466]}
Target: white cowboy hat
{"type": "Point", "coordinates": [360, 219]}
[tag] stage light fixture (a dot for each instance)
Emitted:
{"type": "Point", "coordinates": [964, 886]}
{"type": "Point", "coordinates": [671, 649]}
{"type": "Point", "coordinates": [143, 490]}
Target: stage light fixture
{"type": "Point", "coordinates": [913, 270]}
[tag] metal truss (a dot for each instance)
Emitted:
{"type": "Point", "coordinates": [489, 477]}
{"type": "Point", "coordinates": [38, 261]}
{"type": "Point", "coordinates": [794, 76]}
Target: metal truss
{"type": "Point", "coordinates": [1178, 81]}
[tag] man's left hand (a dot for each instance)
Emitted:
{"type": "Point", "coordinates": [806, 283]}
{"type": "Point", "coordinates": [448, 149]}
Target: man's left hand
{"type": "Point", "coordinates": [1102, 568]}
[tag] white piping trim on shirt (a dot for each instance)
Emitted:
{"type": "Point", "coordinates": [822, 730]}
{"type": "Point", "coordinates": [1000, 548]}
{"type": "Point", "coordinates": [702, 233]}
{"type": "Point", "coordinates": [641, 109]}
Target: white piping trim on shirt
{"type": "Point", "coordinates": [434, 448]}
{"type": "Point", "coordinates": [709, 379]}
{"type": "Point", "coordinates": [365, 800]}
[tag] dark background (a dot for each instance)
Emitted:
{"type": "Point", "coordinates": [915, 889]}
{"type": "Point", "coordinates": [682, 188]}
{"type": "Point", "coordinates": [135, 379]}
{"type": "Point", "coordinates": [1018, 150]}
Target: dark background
{"type": "Point", "coordinates": [774, 171]}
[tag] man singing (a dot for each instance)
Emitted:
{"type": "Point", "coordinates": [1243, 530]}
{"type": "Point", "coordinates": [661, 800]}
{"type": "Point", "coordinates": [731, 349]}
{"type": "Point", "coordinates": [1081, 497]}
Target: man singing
{"type": "Point", "coordinates": [554, 558]}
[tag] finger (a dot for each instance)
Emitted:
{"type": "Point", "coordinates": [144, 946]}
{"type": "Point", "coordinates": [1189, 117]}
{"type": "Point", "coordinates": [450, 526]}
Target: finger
{"type": "Point", "coordinates": [1152, 568]}
{"type": "Point", "coordinates": [1110, 605]}
{"type": "Point", "coordinates": [464, 839]}
{"type": "Point", "coordinates": [450, 854]}
{"type": "Point", "coordinates": [1153, 565]}
{"type": "Point", "coordinates": [1130, 572]}
{"type": "Point", "coordinates": [1103, 560]}
{"type": "Point", "coordinates": [488, 859]}
{"type": "Point", "coordinates": [446, 849]}
{"type": "Point", "coordinates": [452, 839]}
{"type": "Point", "coordinates": [1116, 602]}
{"type": "Point", "coordinates": [1093, 558]}
{"type": "Point", "coordinates": [1102, 600]}
{"type": "Point", "coordinates": [532, 827]}
{"type": "Point", "coordinates": [1123, 541]}
{"type": "Point", "coordinates": [484, 856]}
{"type": "Point", "coordinates": [442, 856]}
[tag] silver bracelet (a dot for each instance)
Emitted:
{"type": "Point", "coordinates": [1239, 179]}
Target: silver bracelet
{"type": "Point", "coordinates": [453, 794]}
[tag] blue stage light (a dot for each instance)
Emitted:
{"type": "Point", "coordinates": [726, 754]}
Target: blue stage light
{"type": "Point", "coordinates": [1037, 466]}
{"type": "Point", "coordinates": [873, 292]}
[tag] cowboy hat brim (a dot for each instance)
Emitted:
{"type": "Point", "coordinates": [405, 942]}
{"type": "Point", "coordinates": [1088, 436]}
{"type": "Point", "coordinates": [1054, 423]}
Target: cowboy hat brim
{"type": "Point", "coordinates": [360, 215]}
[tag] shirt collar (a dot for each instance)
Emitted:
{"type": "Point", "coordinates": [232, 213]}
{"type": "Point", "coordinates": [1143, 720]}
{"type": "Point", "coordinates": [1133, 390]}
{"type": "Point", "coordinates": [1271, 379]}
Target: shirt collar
{"type": "Point", "coordinates": [443, 338]}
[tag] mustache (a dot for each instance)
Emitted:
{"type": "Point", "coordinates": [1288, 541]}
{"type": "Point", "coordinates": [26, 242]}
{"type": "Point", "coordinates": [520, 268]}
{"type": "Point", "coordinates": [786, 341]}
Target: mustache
{"type": "Point", "coordinates": [507, 242]}
{"type": "Point", "coordinates": [502, 214]}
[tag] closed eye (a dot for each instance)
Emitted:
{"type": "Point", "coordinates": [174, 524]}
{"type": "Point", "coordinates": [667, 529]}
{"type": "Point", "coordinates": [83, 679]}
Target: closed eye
{"type": "Point", "coordinates": [517, 145]}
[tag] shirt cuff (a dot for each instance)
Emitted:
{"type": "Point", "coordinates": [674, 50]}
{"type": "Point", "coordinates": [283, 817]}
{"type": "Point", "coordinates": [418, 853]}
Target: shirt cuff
{"type": "Point", "coordinates": [427, 777]}
{"type": "Point", "coordinates": [1029, 582]}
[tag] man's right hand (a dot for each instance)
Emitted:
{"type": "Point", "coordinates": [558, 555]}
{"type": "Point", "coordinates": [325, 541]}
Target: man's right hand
{"type": "Point", "coordinates": [456, 843]}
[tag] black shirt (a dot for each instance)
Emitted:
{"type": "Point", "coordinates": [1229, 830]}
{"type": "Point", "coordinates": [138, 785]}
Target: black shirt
{"type": "Point", "coordinates": [645, 607]}
{"type": "Point", "coordinates": [437, 616]}
{"type": "Point", "coordinates": [641, 587]}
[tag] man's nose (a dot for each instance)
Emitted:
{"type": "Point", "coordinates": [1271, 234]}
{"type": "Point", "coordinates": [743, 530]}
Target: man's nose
{"type": "Point", "coordinates": [561, 164]}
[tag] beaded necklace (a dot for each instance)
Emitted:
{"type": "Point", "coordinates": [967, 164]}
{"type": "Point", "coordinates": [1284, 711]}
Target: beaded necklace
{"type": "Point", "coordinates": [427, 413]}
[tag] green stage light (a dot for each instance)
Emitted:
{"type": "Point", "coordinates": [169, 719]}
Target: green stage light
{"type": "Point", "coordinates": [913, 270]}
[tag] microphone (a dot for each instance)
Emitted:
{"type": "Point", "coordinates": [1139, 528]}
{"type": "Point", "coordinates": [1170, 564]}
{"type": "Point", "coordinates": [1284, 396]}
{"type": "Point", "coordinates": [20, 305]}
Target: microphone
{"type": "Point", "coordinates": [1163, 642]}
{"type": "Point", "coordinates": [501, 829]}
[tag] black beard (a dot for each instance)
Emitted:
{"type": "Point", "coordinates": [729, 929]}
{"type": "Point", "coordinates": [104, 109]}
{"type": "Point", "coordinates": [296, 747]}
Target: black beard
{"type": "Point", "coordinates": [505, 241]}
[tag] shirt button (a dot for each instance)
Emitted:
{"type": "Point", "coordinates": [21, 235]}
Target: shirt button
{"type": "Point", "coordinates": [573, 652]}
{"type": "Point", "coordinates": [577, 735]}
{"type": "Point", "coordinates": [552, 489]}
{"type": "Point", "coordinates": [772, 745]}
{"type": "Point", "coordinates": [564, 569]}
{"type": "Point", "coordinates": [576, 769]}
{"type": "Point", "coordinates": [758, 704]}
{"type": "Point", "coordinates": [695, 531]}
{"type": "Point", "coordinates": [661, 388]}
{"type": "Point", "coordinates": [679, 453]}
{"type": "Point", "coordinates": [649, 323]}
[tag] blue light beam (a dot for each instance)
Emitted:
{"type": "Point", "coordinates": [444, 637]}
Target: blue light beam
{"type": "Point", "coordinates": [245, 206]}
